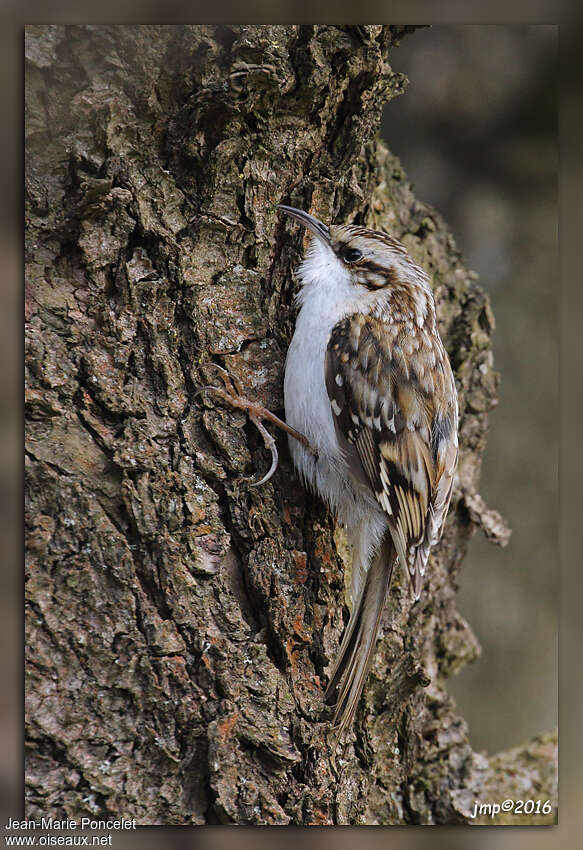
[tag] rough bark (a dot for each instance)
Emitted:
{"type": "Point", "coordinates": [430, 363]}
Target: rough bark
{"type": "Point", "coordinates": [179, 621]}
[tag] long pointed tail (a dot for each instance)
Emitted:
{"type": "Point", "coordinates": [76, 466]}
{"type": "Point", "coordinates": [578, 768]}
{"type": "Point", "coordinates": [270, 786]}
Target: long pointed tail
{"type": "Point", "coordinates": [354, 659]}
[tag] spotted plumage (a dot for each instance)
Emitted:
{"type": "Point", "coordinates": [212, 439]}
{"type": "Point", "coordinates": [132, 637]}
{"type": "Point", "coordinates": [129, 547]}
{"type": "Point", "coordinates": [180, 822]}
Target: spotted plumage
{"type": "Point", "coordinates": [394, 405]}
{"type": "Point", "coordinates": [369, 385]}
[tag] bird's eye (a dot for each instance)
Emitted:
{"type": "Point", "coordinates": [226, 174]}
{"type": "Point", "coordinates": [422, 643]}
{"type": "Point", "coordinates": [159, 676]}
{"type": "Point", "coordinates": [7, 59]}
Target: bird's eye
{"type": "Point", "coordinates": [351, 255]}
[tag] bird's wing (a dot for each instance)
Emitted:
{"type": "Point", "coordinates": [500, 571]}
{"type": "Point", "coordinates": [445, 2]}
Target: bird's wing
{"type": "Point", "coordinates": [393, 400]}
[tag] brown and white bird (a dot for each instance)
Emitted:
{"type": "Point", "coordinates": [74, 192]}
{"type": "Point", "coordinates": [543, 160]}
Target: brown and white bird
{"type": "Point", "coordinates": [369, 384]}
{"type": "Point", "coordinates": [372, 419]}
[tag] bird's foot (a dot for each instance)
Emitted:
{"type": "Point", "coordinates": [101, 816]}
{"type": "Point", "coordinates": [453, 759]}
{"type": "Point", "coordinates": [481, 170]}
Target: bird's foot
{"type": "Point", "coordinates": [231, 394]}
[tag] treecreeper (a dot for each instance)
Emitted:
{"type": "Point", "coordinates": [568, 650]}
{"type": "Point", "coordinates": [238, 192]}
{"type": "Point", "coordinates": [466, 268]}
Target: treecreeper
{"type": "Point", "coordinates": [372, 420]}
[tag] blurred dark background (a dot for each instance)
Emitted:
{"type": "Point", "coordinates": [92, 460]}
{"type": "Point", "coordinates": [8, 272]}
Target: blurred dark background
{"type": "Point", "coordinates": [476, 131]}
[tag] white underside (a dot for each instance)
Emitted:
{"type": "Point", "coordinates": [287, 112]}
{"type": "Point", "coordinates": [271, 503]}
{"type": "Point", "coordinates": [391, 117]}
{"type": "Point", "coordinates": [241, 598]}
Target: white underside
{"type": "Point", "coordinates": [327, 296]}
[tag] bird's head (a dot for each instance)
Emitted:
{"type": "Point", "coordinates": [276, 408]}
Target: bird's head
{"type": "Point", "coordinates": [367, 259]}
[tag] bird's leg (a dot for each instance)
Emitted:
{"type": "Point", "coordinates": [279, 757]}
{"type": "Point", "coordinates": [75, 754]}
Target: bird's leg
{"type": "Point", "coordinates": [232, 395]}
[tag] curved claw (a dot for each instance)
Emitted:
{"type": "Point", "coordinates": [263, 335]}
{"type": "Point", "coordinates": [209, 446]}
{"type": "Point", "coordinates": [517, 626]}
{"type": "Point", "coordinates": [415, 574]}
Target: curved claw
{"type": "Point", "coordinates": [269, 444]}
{"type": "Point", "coordinates": [233, 396]}
{"type": "Point", "coordinates": [267, 438]}
{"type": "Point", "coordinates": [232, 383]}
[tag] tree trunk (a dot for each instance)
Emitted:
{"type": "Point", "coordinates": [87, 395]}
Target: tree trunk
{"type": "Point", "coordinates": [179, 620]}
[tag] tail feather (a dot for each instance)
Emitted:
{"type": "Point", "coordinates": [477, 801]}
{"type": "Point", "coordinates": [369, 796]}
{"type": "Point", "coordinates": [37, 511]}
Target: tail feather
{"type": "Point", "coordinates": [352, 665]}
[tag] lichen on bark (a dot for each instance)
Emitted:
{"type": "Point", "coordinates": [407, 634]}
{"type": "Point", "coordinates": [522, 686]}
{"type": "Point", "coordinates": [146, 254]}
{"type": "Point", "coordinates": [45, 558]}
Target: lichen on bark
{"type": "Point", "coordinates": [179, 620]}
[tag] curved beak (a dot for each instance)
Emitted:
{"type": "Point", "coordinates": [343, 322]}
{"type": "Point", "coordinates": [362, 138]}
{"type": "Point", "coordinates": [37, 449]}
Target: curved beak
{"type": "Point", "coordinates": [308, 221]}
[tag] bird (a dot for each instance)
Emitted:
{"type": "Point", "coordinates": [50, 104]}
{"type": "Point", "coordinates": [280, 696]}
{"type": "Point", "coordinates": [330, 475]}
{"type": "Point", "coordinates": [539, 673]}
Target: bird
{"type": "Point", "coordinates": [371, 413]}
